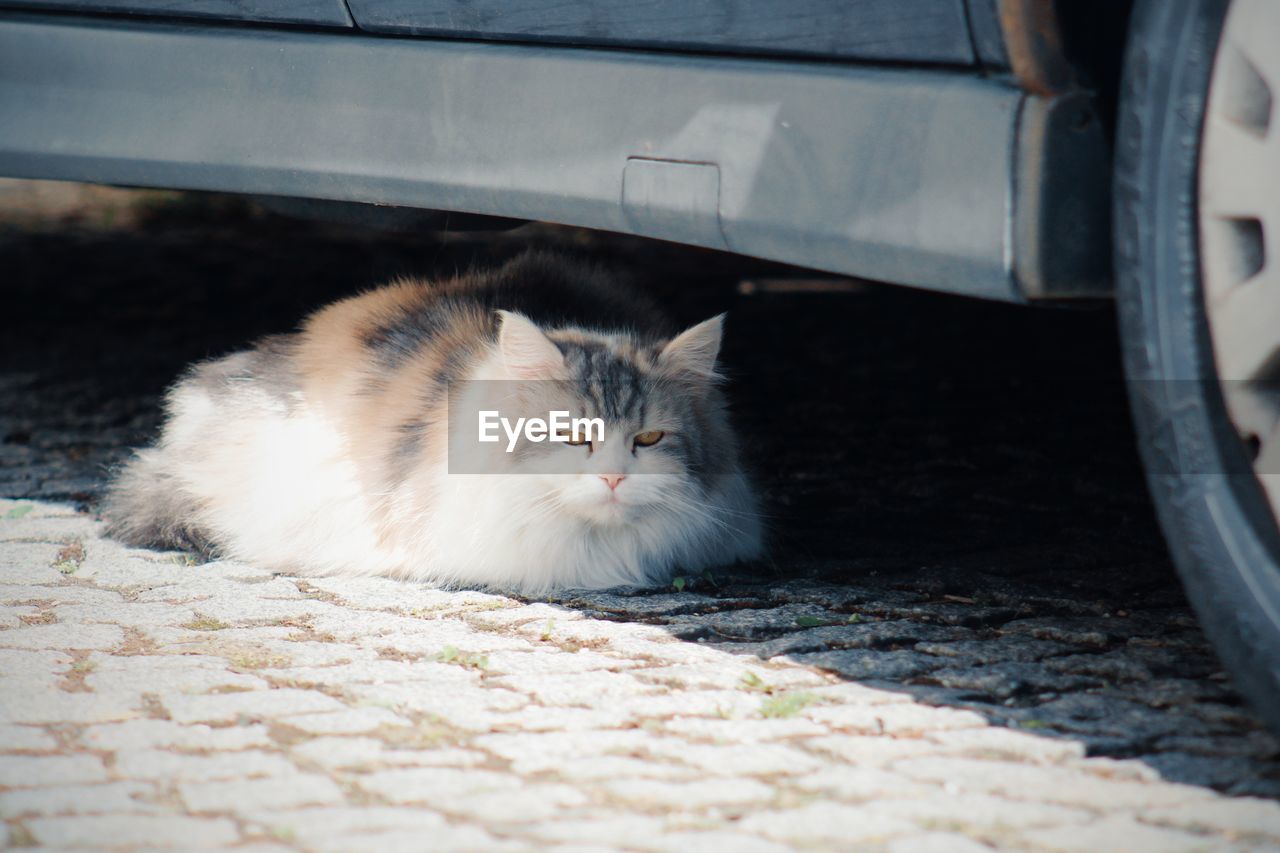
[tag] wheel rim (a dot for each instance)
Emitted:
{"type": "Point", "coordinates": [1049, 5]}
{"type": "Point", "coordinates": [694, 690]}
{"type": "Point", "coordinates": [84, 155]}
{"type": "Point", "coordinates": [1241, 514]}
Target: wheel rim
{"type": "Point", "coordinates": [1240, 229]}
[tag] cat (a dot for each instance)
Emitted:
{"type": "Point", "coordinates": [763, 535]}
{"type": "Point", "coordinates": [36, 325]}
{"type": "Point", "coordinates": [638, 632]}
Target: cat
{"type": "Point", "coordinates": [331, 450]}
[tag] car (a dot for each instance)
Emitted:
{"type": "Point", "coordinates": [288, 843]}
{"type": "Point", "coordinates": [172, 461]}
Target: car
{"type": "Point", "coordinates": [1027, 151]}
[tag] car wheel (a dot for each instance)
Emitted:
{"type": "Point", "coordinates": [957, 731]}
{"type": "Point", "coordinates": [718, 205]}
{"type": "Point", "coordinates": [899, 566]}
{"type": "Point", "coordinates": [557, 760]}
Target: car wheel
{"type": "Point", "coordinates": [1197, 258]}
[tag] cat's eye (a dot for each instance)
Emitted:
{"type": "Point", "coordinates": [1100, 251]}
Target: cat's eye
{"type": "Point", "coordinates": [568, 438]}
{"type": "Point", "coordinates": [650, 438]}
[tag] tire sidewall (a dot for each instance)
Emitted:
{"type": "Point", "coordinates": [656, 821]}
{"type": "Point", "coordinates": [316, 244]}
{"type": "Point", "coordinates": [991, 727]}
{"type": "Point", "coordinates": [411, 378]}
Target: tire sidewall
{"type": "Point", "coordinates": [1214, 514]}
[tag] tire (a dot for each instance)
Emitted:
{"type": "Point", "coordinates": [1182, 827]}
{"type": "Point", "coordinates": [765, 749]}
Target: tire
{"type": "Point", "coordinates": [1214, 511]}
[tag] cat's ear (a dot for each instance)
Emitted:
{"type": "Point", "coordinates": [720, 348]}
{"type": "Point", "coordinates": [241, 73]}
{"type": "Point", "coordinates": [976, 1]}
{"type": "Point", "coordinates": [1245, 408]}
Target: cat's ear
{"type": "Point", "coordinates": [526, 352]}
{"type": "Point", "coordinates": [693, 352]}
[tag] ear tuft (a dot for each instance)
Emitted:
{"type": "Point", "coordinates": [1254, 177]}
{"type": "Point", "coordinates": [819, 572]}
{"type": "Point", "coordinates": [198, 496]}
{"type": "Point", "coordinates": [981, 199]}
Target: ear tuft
{"type": "Point", "coordinates": [527, 353]}
{"type": "Point", "coordinates": [693, 352]}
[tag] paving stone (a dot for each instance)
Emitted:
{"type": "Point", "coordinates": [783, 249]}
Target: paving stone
{"type": "Point", "coordinates": [537, 718]}
{"type": "Point", "coordinates": [607, 601]}
{"type": "Point", "coordinates": [553, 661]}
{"type": "Point", "coordinates": [860, 664]}
{"type": "Point", "coordinates": [48, 528]}
{"type": "Point", "coordinates": [447, 838]}
{"type": "Point", "coordinates": [609, 767]}
{"type": "Point", "coordinates": [308, 657]}
{"type": "Point", "coordinates": [1245, 816]}
{"type": "Point", "coordinates": [63, 593]}
{"type": "Point", "coordinates": [936, 842]}
{"type": "Point", "coordinates": [338, 752]}
{"type": "Point", "coordinates": [385, 594]}
{"type": "Point", "coordinates": [106, 798]}
{"type": "Point", "coordinates": [29, 563]}
{"type": "Point", "coordinates": [377, 671]}
{"type": "Point", "coordinates": [57, 636]}
{"type": "Point", "coordinates": [521, 614]}
{"type": "Point", "coordinates": [862, 635]}
{"type": "Point", "coordinates": [126, 615]}
{"type": "Point", "coordinates": [857, 784]}
{"type": "Point", "coordinates": [719, 704]}
{"type": "Point", "coordinates": [756, 760]}
{"type": "Point", "coordinates": [535, 802]}
{"type": "Point", "coordinates": [219, 584]}
{"type": "Point", "coordinates": [1005, 680]}
{"type": "Point", "coordinates": [585, 689]}
{"type": "Point", "coordinates": [1112, 667]}
{"type": "Point", "coordinates": [246, 794]}
{"type": "Point", "coordinates": [710, 842]}
{"type": "Point", "coordinates": [427, 785]}
{"type": "Point", "coordinates": [726, 677]}
{"type": "Point", "coordinates": [155, 764]}
{"type": "Point", "coordinates": [136, 735]}
{"type": "Point", "coordinates": [612, 829]}
{"type": "Point", "coordinates": [230, 707]}
{"type": "Point", "coordinates": [544, 751]}
{"type": "Point", "coordinates": [242, 610]}
{"type": "Point", "coordinates": [471, 708]}
{"type": "Point", "coordinates": [353, 721]}
{"type": "Point", "coordinates": [152, 673]}
{"type": "Point", "coordinates": [895, 719]}
{"type": "Point", "coordinates": [698, 794]}
{"type": "Point", "coordinates": [1116, 833]}
{"type": "Point", "coordinates": [133, 831]}
{"type": "Point", "coordinates": [24, 739]}
{"type": "Point", "coordinates": [29, 771]}
{"type": "Point", "coordinates": [319, 824]}
{"type": "Point", "coordinates": [826, 824]}
{"type": "Point", "coordinates": [1014, 649]}
{"type": "Point", "coordinates": [992, 741]}
{"type": "Point", "coordinates": [848, 693]}
{"type": "Point", "coordinates": [370, 753]}
{"type": "Point", "coordinates": [873, 751]}
{"type": "Point", "coordinates": [980, 812]}
{"type": "Point", "coordinates": [13, 616]}
{"type": "Point", "coordinates": [739, 731]}
{"type": "Point", "coordinates": [59, 706]}
{"type": "Point", "coordinates": [635, 641]}
{"type": "Point", "coordinates": [1060, 785]}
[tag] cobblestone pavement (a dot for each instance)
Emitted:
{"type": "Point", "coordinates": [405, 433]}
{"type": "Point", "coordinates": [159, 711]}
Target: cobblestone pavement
{"type": "Point", "coordinates": [968, 635]}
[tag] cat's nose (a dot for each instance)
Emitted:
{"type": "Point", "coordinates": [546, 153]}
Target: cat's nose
{"type": "Point", "coordinates": [613, 480]}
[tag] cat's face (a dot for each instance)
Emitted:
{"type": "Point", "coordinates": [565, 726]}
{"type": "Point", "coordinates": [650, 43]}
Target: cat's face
{"type": "Point", "coordinates": [664, 430]}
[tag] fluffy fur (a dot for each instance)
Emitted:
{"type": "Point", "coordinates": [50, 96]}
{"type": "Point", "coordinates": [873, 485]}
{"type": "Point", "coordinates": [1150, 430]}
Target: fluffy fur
{"type": "Point", "coordinates": [327, 451]}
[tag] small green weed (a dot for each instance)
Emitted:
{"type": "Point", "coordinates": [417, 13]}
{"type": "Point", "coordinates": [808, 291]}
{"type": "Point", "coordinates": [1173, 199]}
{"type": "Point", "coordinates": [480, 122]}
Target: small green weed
{"type": "Point", "coordinates": [454, 655]}
{"type": "Point", "coordinates": [18, 511]}
{"type": "Point", "coordinates": [205, 623]}
{"type": "Point", "coordinates": [786, 705]}
{"type": "Point", "coordinates": [69, 558]}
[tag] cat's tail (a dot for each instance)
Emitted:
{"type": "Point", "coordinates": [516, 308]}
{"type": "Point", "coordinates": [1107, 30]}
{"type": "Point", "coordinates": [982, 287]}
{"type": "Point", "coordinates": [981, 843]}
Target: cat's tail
{"type": "Point", "coordinates": [147, 507]}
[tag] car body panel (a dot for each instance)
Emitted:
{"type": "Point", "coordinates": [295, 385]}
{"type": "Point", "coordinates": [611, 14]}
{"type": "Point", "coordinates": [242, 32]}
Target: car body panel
{"type": "Point", "coordinates": [925, 31]}
{"type": "Point", "coordinates": [900, 175]}
{"type": "Point", "coordinates": [328, 13]}
{"type": "Point", "coordinates": [933, 178]}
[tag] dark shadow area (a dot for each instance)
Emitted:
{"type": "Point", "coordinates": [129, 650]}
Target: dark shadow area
{"type": "Point", "coordinates": [957, 504]}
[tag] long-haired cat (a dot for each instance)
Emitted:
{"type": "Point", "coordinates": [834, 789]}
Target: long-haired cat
{"type": "Point", "coordinates": [328, 451]}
